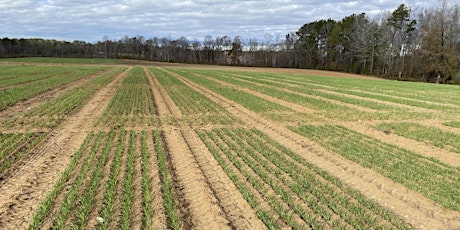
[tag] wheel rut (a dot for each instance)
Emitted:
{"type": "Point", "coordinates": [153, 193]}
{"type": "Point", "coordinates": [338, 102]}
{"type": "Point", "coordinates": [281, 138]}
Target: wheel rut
{"type": "Point", "coordinates": [31, 180]}
{"type": "Point", "coordinates": [208, 198]}
{"type": "Point", "coordinates": [415, 209]}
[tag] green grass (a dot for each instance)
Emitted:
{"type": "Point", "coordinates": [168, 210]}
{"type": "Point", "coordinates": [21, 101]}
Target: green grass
{"type": "Point", "coordinates": [426, 134]}
{"type": "Point", "coordinates": [247, 100]}
{"type": "Point", "coordinates": [134, 96]}
{"type": "Point", "coordinates": [15, 146]}
{"type": "Point", "coordinates": [52, 112]}
{"type": "Point", "coordinates": [455, 124]}
{"type": "Point", "coordinates": [62, 60]}
{"type": "Point", "coordinates": [194, 106]}
{"type": "Point", "coordinates": [432, 178]}
{"type": "Point", "coordinates": [293, 189]}
{"type": "Point", "coordinates": [15, 93]}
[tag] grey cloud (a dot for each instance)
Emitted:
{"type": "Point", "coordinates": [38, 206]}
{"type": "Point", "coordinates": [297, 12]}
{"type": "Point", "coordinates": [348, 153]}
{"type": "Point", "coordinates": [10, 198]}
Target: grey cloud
{"type": "Point", "coordinates": [90, 20]}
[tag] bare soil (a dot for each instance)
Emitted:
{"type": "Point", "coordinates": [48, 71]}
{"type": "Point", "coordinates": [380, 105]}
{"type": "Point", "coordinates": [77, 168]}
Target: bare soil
{"type": "Point", "coordinates": [414, 208]}
{"type": "Point", "coordinates": [29, 182]}
{"type": "Point", "coordinates": [206, 197]}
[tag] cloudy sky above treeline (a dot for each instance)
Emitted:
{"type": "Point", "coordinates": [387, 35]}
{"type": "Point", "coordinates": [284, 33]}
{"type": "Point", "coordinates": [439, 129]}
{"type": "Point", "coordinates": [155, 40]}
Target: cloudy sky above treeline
{"type": "Point", "coordinates": [91, 20]}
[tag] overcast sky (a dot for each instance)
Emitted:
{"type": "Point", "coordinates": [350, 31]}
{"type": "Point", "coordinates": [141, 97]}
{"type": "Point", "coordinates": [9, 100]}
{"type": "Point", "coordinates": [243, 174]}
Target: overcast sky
{"type": "Point", "coordinates": [91, 20]}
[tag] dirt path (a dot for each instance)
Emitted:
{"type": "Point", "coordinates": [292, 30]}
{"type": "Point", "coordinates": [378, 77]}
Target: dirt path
{"type": "Point", "coordinates": [208, 197]}
{"type": "Point", "coordinates": [235, 209]}
{"type": "Point", "coordinates": [295, 107]}
{"type": "Point", "coordinates": [415, 209]}
{"type": "Point", "coordinates": [389, 103]}
{"type": "Point", "coordinates": [22, 192]}
{"type": "Point", "coordinates": [351, 106]}
{"type": "Point", "coordinates": [165, 104]}
{"type": "Point", "coordinates": [30, 103]}
{"type": "Point", "coordinates": [443, 155]}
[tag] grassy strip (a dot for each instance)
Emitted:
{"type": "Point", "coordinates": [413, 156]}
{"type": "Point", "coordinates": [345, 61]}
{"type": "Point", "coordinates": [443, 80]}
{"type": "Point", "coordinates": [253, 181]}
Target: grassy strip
{"type": "Point", "coordinates": [63, 60]}
{"type": "Point", "coordinates": [281, 202]}
{"type": "Point", "coordinates": [311, 183]}
{"type": "Point", "coordinates": [110, 192]}
{"type": "Point", "coordinates": [87, 199]}
{"type": "Point", "coordinates": [188, 100]}
{"type": "Point", "coordinates": [173, 219]}
{"type": "Point", "coordinates": [132, 97]}
{"type": "Point", "coordinates": [193, 105]}
{"type": "Point", "coordinates": [22, 147]}
{"type": "Point", "coordinates": [429, 135]}
{"type": "Point", "coordinates": [128, 189]}
{"type": "Point", "coordinates": [146, 187]}
{"type": "Point", "coordinates": [371, 87]}
{"type": "Point", "coordinates": [313, 91]}
{"type": "Point", "coordinates": [59, 186]}
{"type": "Point", "coordinates": [264, 215]}
{"type": "Point", "coordinates": [10, 142]}
{"type": "Point", "coordinates": [455, 124]}
{"type": "Point", "coordinates": [247, 100]}
{"type": "Point", "coordinates": [69, 202]}
{"type": "Point", "coordinates": [283, 95]}
{"type": "Point", "coordinates": [12, 95]}
{"type": "Point", "coordinates": [52, 112]}
{"type": "Point", "coordinates": [434, 179]}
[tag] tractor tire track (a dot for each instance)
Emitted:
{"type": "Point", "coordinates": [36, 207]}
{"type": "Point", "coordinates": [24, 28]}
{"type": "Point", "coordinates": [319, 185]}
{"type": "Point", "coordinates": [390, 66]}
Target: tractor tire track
{"type": "Point", "coordinates": [415, 209]}
{"type": "Point", "coordinates": [232, 203]}
{"type": "Point", "coordinates": [29, 183]}
{"type": "Point", "coordinates": [200, 204]}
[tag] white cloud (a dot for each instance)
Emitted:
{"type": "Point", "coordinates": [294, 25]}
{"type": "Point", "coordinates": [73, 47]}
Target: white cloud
{"type": "Point", "coordinates": [90, 20]}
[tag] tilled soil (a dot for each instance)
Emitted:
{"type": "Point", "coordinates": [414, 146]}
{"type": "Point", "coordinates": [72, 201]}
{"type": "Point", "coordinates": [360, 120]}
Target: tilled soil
{"type": "Point", "coordinates": [206, 197]}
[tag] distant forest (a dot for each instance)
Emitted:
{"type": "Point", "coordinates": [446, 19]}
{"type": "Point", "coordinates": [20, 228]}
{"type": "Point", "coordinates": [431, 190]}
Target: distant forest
{"type": "Point", "coordinates": [405, 44]}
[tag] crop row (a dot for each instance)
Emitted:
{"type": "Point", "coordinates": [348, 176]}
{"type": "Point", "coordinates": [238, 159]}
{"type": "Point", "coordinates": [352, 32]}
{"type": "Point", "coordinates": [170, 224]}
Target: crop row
{"type": "Point", "coordinates": [133, 97]}
{"type": "Point", "coordinates": [14, 146]}
{"type": "Point", "coordinates": [97, 189]}
{"type": "Point", "coordinates": [247, 100]}
{"type": "Point", "coordinates": [52, 112]}
{"type": "Point", "coordinates": [17, 74]}
{"type": "Point", "coordinates": [332, 102]}
{"type": "Point", "coordinates": [432, 178]}
{"type": "Point", "coordinates": [389, 89]}
{"type": "Point", "coordinates": [63, 60]}
{"type": "Point", "coordinates": [455, 124]}
{"type": "Point", "coordinates": [19, 92]}
{"type": "Point", "coordinates": [298, 95]}
{"type": "Point", "coordinates": [423, 133]}
{"type": "Point", "coordinates": [358, 90]}
{"type": "Point", "coordinates": [191, 103]}
{"type": "Point", "coordinates": [318, 91]}
{"type": "Point", "coordinates": [286, 190]}
{"type": "Point", "coordinates": [274, 88]}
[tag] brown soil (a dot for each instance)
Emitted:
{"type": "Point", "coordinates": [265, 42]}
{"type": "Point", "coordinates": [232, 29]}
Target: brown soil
{"type": "Point", "coordinates": [32, 179]}
{"type": "Point", "coordinates": [206, 197]}
{"type": "Point", "coordinates": [443, 155]}
{"type": "Point", "coordinates": [414, 208]}
{"type": "Point", "coordinates": [29, 104]}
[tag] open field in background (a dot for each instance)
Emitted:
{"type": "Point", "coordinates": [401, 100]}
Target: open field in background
{"type": "Point", "coordinates": [97, 144]}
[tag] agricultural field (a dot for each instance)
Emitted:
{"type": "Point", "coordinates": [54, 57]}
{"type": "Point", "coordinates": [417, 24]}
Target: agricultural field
{"type": "Point", "coordinates": [104, 144]}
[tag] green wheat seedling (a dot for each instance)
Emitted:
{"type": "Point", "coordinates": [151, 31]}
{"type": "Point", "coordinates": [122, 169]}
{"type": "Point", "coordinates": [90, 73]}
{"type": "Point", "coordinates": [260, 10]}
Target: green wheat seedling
{"type": "Point", "coordinates": [111, 184]}
{"type": "Point", "coordinates": [48, 202]}
{"type": "Point", "coordinates": [146, 187]}
{"type": "Point", "coordinates": [86, 201]}
{"type": "Point", "coordinates": [68, 203]}
{"type": "Point", "coordinates": [174, 221]}
{"type": "Point", "coordinates": [266, 218]}
{"type": "Point", "coordinates": [128, 189]}
{"type": "Point", "coordinates": [415, 171]}
{"type": "Point", "coordinates": [15, 150]}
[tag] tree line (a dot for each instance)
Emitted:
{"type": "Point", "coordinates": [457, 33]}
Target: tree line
{"type": "Point", "coordinates": [405, 44]}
